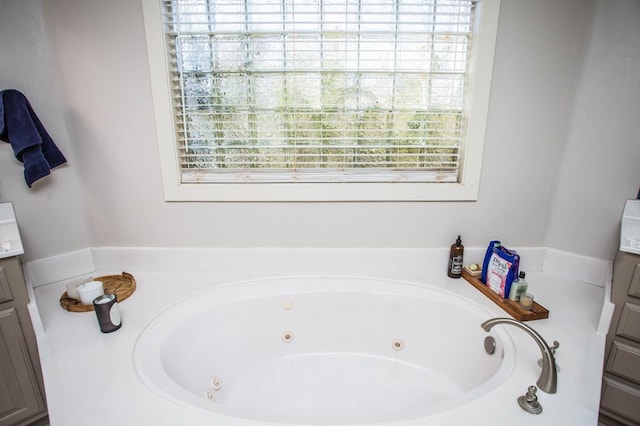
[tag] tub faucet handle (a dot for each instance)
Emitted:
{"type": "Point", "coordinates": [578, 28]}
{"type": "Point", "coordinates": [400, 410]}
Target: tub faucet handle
{"type": "Point", "coordinates": [553, 348]}
{"type": "Point", "coordinates": [531, 396]}
{"type": "Point", "coordinates": [529, 401]}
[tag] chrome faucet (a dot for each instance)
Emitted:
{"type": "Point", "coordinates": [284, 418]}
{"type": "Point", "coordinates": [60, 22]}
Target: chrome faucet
{"type": "Point", "coordinates": [548, 381]}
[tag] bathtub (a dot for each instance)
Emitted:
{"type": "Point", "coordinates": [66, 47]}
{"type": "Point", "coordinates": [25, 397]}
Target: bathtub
{"type": "Point", "coordinates": [322, 351]}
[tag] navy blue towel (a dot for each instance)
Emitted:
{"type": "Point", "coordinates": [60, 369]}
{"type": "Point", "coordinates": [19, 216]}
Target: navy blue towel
{"type": "Point", "coordinates": [32, 145]}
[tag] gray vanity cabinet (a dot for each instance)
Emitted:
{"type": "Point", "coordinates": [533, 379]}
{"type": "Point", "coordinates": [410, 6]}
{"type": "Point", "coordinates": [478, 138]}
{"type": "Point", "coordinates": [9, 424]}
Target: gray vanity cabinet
{"type": "Point", "coordinates": [620, 398]}
{"type": "Point", "coordinates": [21, 388]}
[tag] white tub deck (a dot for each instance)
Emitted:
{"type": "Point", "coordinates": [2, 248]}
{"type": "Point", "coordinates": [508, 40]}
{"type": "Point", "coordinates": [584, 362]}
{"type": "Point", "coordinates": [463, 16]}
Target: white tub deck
{"type": "Point", "coordinates": [90, 376]}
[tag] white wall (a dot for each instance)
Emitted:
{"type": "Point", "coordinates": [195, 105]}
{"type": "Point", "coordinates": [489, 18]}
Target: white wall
{"type": "Point", "coordinates": [544, 72]}
{"type": "Point", "coordinates": [601, 164]}
{"type": "Point", "coordinates": [51, 214]}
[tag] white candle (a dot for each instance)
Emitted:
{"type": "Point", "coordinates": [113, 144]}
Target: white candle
{"type": "Point", "coordinates": [72, 289]}
{"type": "Point", "coordinates": [89, 291]}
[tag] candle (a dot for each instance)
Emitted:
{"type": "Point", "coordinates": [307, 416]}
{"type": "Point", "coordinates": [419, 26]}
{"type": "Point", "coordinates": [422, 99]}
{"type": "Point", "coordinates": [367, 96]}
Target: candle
{"type": "Point", "coordinates": [526, 301]}
{"type": "Point", "coordinates": [89, 291]}
{"type": "Point", "coordinates": [72, 290]}
{"type": "Point", "coordinates": [108, 313]}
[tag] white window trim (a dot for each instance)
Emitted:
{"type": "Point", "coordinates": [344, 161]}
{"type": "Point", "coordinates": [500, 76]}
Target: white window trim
{"type": "Point", "coordinates": [470, 168]}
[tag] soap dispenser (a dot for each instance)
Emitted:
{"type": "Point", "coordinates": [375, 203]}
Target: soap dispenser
{"type": "Point", "coordinates": [455, 259]}
{"type": "Point", "coordinates": [518, 287]}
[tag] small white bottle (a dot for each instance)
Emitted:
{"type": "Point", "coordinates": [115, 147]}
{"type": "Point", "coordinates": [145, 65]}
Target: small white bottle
{"type": "Point", "coordinates": [518, 287]}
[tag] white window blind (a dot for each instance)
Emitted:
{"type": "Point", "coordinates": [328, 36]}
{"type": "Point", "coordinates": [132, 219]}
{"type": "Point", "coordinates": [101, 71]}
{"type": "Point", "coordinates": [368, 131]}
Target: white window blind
{"type": "Point", "coordinates": [319, 90]}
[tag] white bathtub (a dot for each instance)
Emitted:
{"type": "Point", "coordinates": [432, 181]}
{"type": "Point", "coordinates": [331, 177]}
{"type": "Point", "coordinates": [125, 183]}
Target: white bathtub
{"type": "Point", "coordinates": [322, 350]}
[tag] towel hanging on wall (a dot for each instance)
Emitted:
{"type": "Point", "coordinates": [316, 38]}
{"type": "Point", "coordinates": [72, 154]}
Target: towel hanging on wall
{"type": "Point", "coordinates": [32, 145]}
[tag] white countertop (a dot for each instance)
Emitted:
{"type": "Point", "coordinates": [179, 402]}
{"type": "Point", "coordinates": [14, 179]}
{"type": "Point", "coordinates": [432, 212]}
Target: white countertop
{"type": "Point", "coordinates": [90, 376]}
{"type": "Point", "coordinates": [10, 241]}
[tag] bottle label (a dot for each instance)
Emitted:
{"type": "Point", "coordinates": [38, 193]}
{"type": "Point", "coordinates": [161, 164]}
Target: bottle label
{"type": "Point", "coordinates": [114, 314]}
{"type": "Point", "coordinates": [456, 264]}
{"type": "Point", "coordinates": [497, 275]}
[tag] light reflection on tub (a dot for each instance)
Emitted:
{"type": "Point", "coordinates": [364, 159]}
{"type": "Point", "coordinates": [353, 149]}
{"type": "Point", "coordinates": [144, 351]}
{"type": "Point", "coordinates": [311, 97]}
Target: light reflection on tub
{"type": "Point", "coordinates": [322, 350]}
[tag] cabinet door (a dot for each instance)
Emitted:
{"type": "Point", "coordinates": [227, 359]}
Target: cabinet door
{"type": "Point", "coordinates": [629, 325]}
{"type": "Point", "coordinates": [19, 393]}
{"type": "Point", "coordinates": [5, 288]}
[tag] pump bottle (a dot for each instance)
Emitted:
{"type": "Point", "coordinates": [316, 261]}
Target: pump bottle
{"type": "Point", "coordinates": [518, 287]}
{"type": "Point", "coordinates": [455, 259]}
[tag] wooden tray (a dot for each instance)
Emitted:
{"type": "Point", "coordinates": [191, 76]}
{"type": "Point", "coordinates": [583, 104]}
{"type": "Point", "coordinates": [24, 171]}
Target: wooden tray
{"type": "Point", "coordinates": [122, 286]}
{"type": "Point", "coordinates": [512, 308]}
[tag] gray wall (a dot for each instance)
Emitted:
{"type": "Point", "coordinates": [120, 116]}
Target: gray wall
{"type": "Point", "coordinates": [560, 159]}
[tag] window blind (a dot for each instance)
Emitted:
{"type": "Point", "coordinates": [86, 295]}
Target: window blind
{"type": "Point", "coordinates": [319, 90]}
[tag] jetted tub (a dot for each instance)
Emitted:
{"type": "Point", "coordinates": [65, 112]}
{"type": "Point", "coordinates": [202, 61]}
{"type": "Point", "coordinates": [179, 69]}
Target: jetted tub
{"type": "Point", "coordinates": [322, 350]}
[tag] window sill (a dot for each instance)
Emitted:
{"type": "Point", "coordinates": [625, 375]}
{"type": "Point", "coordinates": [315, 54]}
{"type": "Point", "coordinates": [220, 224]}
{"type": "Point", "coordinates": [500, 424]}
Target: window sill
{"type": "Point", "coordinates": [321, 192]}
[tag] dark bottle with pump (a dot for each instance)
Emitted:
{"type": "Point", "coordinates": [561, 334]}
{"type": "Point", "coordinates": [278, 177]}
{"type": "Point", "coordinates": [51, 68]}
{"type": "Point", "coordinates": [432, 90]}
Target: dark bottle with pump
{"type": "Point", "coordinates": [455, 259]}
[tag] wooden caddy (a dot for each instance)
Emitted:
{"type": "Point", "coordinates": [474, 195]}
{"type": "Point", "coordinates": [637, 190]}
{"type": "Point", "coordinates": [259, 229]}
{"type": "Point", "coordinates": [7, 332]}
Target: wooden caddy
{"type": "Point", "coordinates": [512, 308]}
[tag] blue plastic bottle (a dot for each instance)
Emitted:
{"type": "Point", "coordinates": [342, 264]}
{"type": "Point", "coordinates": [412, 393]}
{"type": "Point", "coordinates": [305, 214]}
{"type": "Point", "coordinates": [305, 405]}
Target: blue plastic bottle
{"type": "Point", "coordinates": [487, 257]}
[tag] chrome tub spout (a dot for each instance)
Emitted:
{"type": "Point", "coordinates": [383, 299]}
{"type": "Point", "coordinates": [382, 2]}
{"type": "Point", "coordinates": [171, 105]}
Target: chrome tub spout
{"type": "Point", "coordinates": [548, 381]}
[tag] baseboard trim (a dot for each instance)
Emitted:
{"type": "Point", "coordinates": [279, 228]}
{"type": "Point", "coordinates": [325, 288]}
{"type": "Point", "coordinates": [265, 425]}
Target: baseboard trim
{"type": "Point", "coordinates": [56, 268]}
{"type": "Point", "coordinates": [581, 268]}
{"type": "Point", "coordinates": [60, 267]}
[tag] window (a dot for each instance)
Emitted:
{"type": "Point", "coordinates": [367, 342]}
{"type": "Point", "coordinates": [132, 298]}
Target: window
{"type": "Point", "coordinates": [320, 99]}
